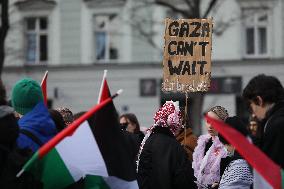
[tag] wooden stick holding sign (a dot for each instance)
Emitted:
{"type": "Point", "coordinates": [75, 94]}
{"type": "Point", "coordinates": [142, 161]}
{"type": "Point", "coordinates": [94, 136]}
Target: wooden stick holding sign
{"type": "Point", "coordinates": [187, 55]}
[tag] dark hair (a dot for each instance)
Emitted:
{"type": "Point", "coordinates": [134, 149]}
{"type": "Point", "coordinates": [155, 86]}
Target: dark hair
{"type": "Point", "coordinates": [58, 119]}
{"type": "Point", "coordinates": [66, 114]}
{"type": "Point", "coordinates": [259, 128]}
{"type": "Point", "coordinates": [3, 100]}
{"type": "Point", "coordinates": [269, 88]}
{"type": "Point", "coordinates": [133, 119]}
{"type": "Point", "coordinates": [236, 123]}
{"type": "Point", "coordinates": [78, 114]}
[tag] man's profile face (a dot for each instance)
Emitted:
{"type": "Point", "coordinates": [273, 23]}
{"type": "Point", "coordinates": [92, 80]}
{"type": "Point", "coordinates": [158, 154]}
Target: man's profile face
{"type": "Point", "coordinates": [258, 110]}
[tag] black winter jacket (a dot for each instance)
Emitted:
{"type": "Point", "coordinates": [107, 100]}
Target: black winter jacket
{"type": "Point", "coordinates": [164, 163]}
{"type": "Point", "coordinates": [273, 140]}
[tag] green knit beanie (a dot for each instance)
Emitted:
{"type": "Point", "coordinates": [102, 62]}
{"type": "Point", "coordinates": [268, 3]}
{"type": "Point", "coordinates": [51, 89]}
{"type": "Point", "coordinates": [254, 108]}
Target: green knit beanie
{"type": "Point", "coordinates": [26, 94]}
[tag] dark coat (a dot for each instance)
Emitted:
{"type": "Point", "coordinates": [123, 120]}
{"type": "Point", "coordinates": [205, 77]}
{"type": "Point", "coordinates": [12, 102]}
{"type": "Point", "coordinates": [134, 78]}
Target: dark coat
{"type": "Point", "coordinates": [133, 143]}
{"type": "Point", "coordinates": [12, 159]}
{"type": "Point", "coordinates": [140, 136]}
{"type": "Point", "coordinates": [273, 140]}
{"type": "Point", "coordinates": [163, 163]}
{"type": "Point", "coordinates": [9, 131]}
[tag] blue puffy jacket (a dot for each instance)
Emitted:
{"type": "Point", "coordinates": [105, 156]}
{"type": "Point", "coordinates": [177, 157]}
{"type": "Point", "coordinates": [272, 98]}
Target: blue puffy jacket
{"type": "Point", "coordinates": [40, 124]}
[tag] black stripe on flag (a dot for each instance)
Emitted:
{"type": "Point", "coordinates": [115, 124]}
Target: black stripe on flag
{"type": "Point", "coordinates": [113, 146]}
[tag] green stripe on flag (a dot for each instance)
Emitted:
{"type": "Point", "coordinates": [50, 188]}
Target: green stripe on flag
{"type": "Point", "coordinates": [52, 171]}
{"type": "Point", "coordinates": [95, 182]}
{"type": "Point", "coordinates": [30, 164]}
{"type": "Point", "coordinates": [282, 178]}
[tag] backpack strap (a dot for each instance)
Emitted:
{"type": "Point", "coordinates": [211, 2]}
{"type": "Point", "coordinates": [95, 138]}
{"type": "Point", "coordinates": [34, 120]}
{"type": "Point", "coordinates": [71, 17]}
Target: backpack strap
{"type": "Point", "coordinates": [31, 136]}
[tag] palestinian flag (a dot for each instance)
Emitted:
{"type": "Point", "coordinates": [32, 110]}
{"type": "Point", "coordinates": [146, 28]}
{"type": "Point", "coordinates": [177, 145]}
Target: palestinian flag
{"type": "Point", "coordinates": [104, 90]}
{"type": "Point", "coordinates": [267, 174]}
{"type": "Point", "coordinates": [43, 85]}
{"type": "Point", "coordinates": [93, 148]}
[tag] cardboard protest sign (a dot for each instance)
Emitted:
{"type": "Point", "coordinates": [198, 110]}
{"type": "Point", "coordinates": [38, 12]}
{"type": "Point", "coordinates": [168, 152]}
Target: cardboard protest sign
{"type": "Point", "coordinates": [187, 55]}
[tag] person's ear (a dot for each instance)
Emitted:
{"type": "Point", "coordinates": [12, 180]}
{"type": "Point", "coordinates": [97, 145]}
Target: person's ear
{"type": "Point", "coordinates": [259, 101]}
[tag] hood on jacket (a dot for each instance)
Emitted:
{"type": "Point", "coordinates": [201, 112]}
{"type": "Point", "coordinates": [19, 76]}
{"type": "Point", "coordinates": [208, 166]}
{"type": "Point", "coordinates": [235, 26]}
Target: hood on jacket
{"type": "Point", "coordinates": [39, 122]}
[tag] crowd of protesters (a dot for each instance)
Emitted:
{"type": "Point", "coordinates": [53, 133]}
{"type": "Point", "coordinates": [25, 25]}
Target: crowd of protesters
{"type": "Point", "coordinates": [168, 155]}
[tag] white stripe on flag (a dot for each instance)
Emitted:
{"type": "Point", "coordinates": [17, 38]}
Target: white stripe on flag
{"type": "Point", "coordinates": [259, 182]}
{"type": "Point", "coordinates": [80, 151]}
{"type": "Point", "coordinates": [116, 183]}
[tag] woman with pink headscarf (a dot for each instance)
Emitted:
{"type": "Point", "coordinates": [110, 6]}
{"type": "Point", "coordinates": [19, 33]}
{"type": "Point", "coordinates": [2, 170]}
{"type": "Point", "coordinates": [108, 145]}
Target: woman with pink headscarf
{"type": "Point", "coordinates": [162, 162]}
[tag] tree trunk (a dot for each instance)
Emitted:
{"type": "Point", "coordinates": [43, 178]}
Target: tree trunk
{"type": "Point", "coordinates": [3, 31]}
{"type": "Point", "coordinates": [196, 112]}
{"type": "Point", "coordinates": [192, 11]}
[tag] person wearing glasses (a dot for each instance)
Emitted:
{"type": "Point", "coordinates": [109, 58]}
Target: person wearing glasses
{"type": "Point", "coordinates": [129, 122]}
{"type": "Point", "coordinates": [130, 126]}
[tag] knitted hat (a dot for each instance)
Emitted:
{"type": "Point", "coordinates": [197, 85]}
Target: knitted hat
{"type": "Point", "coordinates": [26, 94]}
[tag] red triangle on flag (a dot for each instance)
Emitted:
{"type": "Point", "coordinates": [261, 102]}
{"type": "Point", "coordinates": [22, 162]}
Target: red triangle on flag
{"type": "Point", "coordinates": [104, 91]}
{"type": "Point", "coordinates": [269, 170]}
{"type": "Point", "coordinates": [44, 87]}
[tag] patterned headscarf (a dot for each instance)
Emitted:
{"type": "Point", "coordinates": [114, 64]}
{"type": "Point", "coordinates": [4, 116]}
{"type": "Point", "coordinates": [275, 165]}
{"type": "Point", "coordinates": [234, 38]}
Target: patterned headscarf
{"type": "Point", "coordinates": [66, 114]}
{"type": "Point", "coordinates": [168, 115]}
{"type": "Point", "coordinates": [220, 111]}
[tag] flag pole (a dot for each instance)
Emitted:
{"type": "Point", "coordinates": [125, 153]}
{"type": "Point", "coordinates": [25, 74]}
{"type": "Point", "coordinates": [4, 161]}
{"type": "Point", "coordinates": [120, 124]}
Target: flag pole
{"type": "Point", "coordinates": [68, 131]}
{"type": "Point", "coordinates": [185, 117]}
{"type": "Point", "coordinates": [102, 85]}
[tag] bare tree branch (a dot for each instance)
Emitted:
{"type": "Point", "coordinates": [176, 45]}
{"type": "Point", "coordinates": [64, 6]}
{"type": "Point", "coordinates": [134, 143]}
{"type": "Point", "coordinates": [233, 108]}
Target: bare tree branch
{"type": "Point", "coordinates": [173, 7]}
{"type": "Point", "coordinates": [190, 4]}
{"type": "Point", "coordinates": [147, 35]}
{"type": "Point", "coordinates": [209, 8]}
{"type": "Point", "coordinates": [3, 31]}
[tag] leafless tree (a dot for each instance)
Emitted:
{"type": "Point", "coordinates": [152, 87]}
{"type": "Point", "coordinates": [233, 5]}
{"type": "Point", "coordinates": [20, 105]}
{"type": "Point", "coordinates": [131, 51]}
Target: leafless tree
{"type": "Point", "coordinates": [186, 9]}
{"type": "Point", "coordinates": [3, 30]}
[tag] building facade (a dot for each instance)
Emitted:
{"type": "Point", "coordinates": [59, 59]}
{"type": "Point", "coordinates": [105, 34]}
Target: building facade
{"type": "Point", "coordinates": [77, 39]}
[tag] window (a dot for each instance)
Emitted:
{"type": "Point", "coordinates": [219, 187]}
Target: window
{"type": "Point", "coordinates": [104, 34]}
{"type": "Point", "coordinates": [256, 34]}
{"type": "Point", "coordinates": [36, 40]}
{"type": "Point", "coordinates": [148, 87]}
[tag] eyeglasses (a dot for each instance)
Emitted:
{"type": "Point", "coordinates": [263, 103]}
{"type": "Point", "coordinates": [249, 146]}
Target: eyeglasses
{"type": "Point", "coordinates": [124, 124]}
